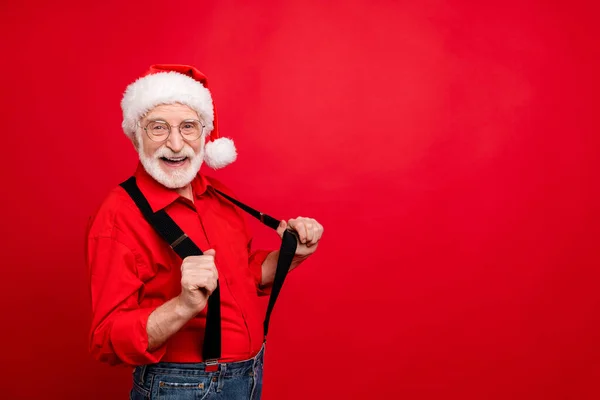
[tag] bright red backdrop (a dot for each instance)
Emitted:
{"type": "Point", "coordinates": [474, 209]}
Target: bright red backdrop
{"type": "Point", "coordinates": [449, 148]}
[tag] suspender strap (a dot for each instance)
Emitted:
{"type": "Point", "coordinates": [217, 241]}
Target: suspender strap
{"type": "Point", "coordinates": [264, 218]}
{"type": "Point", "coordinates": [184, 247]}
{"type": "Point", "coordinates": [287, 250]}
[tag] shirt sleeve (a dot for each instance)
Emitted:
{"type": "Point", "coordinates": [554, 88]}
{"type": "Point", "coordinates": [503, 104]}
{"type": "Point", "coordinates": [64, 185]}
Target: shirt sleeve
{"type": "Point", "coordinates": [255, 262]}
{"type": "Point", "coordinates": [118, 331]}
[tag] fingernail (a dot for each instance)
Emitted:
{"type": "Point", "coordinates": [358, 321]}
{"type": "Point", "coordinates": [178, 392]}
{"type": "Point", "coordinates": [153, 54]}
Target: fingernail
{"type": "Point", "coordinates": [282, 224]}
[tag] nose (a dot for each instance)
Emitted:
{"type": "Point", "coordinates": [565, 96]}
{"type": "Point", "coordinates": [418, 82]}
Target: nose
{"type": "Point", "coordinates": [175, 141]}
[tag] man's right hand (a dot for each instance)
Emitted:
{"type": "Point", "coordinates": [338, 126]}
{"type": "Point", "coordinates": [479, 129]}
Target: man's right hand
{"type": "Point", "coordinates": [198, 280]}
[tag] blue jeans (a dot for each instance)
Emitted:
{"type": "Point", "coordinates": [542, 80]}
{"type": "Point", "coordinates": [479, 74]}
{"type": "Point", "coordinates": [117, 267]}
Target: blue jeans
{"type": "Point", "coordinates": [182, 381]}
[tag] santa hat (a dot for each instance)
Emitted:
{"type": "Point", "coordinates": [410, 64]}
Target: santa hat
{"type": "Point", "coordinates": [169, 84]}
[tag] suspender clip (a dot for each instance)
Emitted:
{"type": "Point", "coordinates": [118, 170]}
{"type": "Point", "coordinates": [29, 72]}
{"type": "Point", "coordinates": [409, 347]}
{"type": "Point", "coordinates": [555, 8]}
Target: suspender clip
{"type": "Point", "coordinates": [178, 240]}
{"type": "Point", "coordinates": [211, 365]}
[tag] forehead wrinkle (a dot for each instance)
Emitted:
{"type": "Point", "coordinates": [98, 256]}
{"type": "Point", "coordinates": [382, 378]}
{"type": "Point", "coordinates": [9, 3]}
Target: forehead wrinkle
{"type": "Point", "coordinates": [175, 109]}
{"type": "Point", "coordinates": [162, 119]}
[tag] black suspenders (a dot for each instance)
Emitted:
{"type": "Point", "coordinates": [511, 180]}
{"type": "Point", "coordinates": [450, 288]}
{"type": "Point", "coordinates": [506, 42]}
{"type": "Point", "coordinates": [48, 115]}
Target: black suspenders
{"type": "Point", "coordinates": [184, 247]}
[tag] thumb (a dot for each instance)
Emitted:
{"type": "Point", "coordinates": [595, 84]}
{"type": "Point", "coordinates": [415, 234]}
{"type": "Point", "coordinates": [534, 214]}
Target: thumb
{"type": "Point", "coordinates": [210, 252]}
{"type": "Point", "coordinates": [281, 228]}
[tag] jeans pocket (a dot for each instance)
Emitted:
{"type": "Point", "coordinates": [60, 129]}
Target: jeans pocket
{"type": "Point", "coordinates": [182, 388]}
{"type": "Point", "coordinates": [138, 392]}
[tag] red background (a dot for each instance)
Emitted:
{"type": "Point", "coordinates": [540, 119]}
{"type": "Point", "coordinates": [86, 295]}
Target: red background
{"type": "Point", "coordinates": [448, 147]}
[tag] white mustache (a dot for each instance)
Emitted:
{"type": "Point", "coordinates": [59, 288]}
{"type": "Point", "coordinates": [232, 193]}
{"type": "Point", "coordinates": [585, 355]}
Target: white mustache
{"type": "Point", "coordinates": [163, 151]}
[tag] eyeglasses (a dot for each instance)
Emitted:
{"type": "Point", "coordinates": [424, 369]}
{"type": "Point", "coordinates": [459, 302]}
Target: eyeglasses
{"type": "Point", "coordinates": [159, 131]}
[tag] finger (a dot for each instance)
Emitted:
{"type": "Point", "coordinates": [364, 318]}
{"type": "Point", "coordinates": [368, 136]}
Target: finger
{"type": "Point", "coordinates": [210, 252]}
{"type": "Point", "coordinates": [205, 282]}
{"type": "Point", "coordinates": [203, 273]}
{"type": "Point", "coordinates": [318, 231]}
{"type": "Point", "coordinates": [301, 229]}
{"type": "Point", "coordinates": [212, 273]}
{"type": "Point", "coordinates": [210, 285]}
{"type": "Point", "coordinates": [310, 232]}
{"type": "Point", "coordinates": [186, 262]}
{"type": "Point", "coordinates": [199, 269]}
{"type": "Point", "coordinates": [312, 246]}
{"type": "Point", "coordinates": [292, 224]}
{"type": "Point", "coordinates": [281, 228]}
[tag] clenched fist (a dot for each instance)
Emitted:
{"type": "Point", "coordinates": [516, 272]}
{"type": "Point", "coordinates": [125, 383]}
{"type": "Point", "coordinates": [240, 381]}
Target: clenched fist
{"type": "Point", "coordinates": [309, 234]}
{"type": "Point", "coordinates": [198, 280]}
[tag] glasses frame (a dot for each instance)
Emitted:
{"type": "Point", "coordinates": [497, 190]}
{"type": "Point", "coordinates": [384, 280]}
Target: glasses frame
{"type": "Point", "coordinates": [170, 128]}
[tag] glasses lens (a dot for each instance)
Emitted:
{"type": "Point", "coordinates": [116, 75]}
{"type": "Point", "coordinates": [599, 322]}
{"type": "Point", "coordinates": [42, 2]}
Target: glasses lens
{"type": "Point", "coordinates": [157, 130]}
{"type": "Point", "coordinates": [190, 129]}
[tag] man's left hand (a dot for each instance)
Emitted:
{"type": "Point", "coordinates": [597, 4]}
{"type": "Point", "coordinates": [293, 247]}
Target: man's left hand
{"type": "Point", "coordinates": [309, 233]}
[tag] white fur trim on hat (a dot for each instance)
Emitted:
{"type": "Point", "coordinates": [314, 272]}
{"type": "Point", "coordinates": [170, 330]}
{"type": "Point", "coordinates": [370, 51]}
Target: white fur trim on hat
{"type": "Point", "coordinates": [220, 153]}
{"type": "Point", "coordinates": [165, 88]}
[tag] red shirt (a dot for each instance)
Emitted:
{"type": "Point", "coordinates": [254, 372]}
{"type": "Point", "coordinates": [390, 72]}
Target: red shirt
{"type": "Point", "coordinates": [133, 271]}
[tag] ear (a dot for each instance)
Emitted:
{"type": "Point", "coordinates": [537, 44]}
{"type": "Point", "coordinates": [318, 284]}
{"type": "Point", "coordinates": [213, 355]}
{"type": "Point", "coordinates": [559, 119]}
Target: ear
{"type": "Point", "coordinates": [135, 140]}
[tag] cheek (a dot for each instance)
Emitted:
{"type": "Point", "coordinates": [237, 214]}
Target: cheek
{"type": "Point", "coordinates": [150, 149]}
{"type": "Point", "coordinates": [196, 146]}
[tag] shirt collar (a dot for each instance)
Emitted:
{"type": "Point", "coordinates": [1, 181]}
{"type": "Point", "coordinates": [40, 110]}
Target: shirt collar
{"type": "Point", "coordinates": [160, 196]}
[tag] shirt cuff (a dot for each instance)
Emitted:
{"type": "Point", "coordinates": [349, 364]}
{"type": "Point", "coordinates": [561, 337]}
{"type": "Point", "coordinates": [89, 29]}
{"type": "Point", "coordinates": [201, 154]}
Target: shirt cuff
{"type": "Point", "coordinates": [255, 263]}
{"type": "Point", "coordinates": [130, 338]}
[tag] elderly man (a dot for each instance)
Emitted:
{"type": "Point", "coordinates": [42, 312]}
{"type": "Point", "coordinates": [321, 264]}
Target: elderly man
{"type": "Point", "coordinates": [175, 282]}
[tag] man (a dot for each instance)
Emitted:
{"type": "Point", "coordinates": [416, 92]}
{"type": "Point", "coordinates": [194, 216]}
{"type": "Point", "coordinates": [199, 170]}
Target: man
{"type": "Point", "coordinates": [152, 306]}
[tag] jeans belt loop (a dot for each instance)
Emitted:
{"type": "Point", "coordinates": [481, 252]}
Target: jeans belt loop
{"type": "Point", "coordinates": [221, 380]}
{"type": "Point", "coordinates": [143, 374]}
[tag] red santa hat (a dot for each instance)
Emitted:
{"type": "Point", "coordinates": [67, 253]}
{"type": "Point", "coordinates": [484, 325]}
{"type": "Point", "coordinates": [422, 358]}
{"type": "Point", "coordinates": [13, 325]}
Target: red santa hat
{"type": "Point", "coordinates": [184, 84]}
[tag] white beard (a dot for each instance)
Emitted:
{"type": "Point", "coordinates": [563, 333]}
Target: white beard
{"type": "Point", "coordinates": [177, 178]}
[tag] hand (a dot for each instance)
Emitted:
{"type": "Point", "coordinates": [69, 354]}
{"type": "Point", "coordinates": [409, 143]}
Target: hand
{"type": "Point", "coordinates": [309, 233]}
{"type": "Point", "coordinates": [198, 280]}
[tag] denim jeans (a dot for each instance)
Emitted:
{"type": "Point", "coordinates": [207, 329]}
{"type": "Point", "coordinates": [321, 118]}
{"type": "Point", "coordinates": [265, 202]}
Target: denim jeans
{"type": "Point", "coordinates": [175, 381]}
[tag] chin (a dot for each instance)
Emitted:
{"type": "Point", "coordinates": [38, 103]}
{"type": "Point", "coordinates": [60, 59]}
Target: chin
{"type": "Point", "coordinates": [178, 179]}
{"type": "Point", "coordinates": [172, 178]}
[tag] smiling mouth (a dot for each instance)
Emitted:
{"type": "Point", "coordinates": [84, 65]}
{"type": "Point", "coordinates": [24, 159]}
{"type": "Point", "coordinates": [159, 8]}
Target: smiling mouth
{"type": "Point", "coordinates": [174, 161]}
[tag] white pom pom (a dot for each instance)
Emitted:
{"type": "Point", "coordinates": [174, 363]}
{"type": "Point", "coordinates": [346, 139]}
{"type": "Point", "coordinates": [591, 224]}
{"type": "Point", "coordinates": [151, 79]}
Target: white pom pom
{"type": "Point", "coordinates": [220, 153]}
